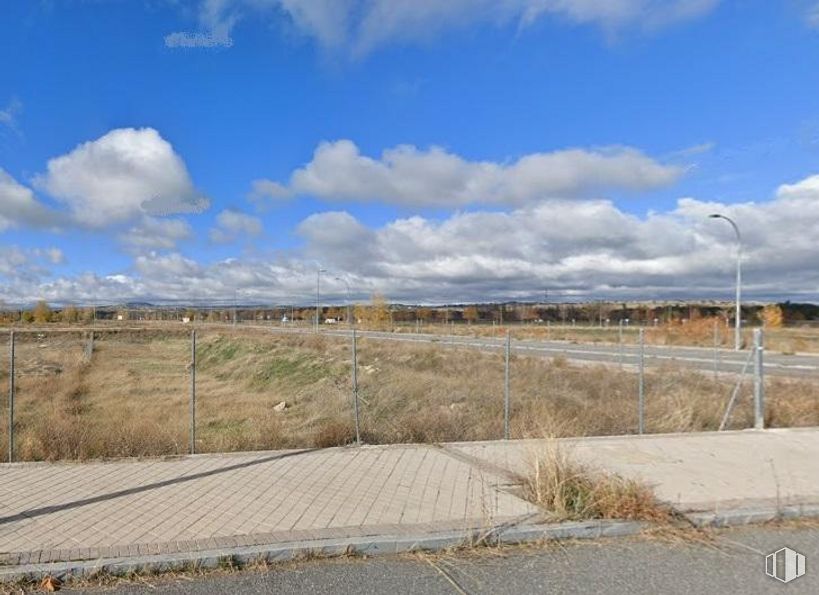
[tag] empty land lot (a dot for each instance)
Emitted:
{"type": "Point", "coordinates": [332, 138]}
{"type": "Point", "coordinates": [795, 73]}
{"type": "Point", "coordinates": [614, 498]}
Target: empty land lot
{"type": "Point", "coordinates": [132, 396]}
{"type": "Point", "coordinates": [703, 332]}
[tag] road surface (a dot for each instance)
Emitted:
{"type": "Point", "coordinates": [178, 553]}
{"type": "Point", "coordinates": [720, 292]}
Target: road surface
{"type": "Point", "coordinates": [727, 361]}
{"type": "Point", "coordinates": [732, 563]}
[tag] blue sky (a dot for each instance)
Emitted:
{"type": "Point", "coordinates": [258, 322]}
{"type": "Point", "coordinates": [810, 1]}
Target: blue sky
{"type": "Point", "coordinates": [435, 152]}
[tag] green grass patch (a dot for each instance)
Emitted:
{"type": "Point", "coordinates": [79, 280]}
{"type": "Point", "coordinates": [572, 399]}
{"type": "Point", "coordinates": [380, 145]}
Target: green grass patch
{"type": "Point", "coordinates": [296, 369]}
{"type": "Point", "coordinates": [220, 351]}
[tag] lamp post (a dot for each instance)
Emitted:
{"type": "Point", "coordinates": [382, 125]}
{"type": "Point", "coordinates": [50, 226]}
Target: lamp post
{"type": "Point", "coordinates": [738, 317]}
{"type": "Point", "coordinates": [349, 300]}
{"type": "Point", "coordinates": [235, 305]}
{"type": "Point", "coordinates": [319, 271]}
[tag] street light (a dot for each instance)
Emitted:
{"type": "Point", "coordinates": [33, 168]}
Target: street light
{"type": "Point", "coordinates": [235, 300]}
{"type": "Point", "coordinates": [319, 271]}
{"type": "Point", "coordinates": [349, 300]}
{"type": "Point", "coordinates": [738, 318]}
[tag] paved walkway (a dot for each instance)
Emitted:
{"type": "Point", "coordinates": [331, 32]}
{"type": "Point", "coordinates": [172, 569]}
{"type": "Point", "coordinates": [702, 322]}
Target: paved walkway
{"type": "Point", "coordinates": [65, 511]}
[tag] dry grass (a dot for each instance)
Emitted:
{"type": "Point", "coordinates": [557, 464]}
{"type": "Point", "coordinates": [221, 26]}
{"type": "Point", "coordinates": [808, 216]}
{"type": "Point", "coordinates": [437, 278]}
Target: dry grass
{"type": "Point", "coordinates": [132, 398]}
{"type": "Point", "coordinates": [697, 333]}
{"type": "Point", "coordinates": [569, 490]}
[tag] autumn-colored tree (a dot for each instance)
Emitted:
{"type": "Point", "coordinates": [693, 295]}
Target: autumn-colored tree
{"type": "Point", "coordinates": [771, 316]}
{"type": "Point", "coordinates": [41, 312]}
{"type": "Point", "coordinates": [361, 313]}
{"type": "Point", "coordinates": [377, 314]}
{"type": "Point", "coordinates": [527, 314]}
{"type": "Point", "coordinates": [70, 314]}
{"type": "Point", "coordinates": [471, 314]}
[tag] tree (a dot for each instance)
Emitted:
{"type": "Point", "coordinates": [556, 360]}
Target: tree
{"type": "Point", "coordinates": [70, 314]}
{"type": "Point", "coordinates": [377, 314]}
{"type": "Point", "coordinates": [771, 316]}
{"type": "Point", "coordinates": [471, 314]}
{"type": "Point", "coordinates": [42, 312]}
{"type": "Point", "coordinates": [527, 313]}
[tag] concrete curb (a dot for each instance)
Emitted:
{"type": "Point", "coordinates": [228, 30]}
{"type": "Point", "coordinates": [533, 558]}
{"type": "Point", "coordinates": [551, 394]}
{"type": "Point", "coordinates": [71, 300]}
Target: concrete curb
{"type": "Point", "coordinates": [384, 545]}
{"type": "Point", "coordinates": [750, 516]}
{"type": "Point", "coordinates": [282, 552]}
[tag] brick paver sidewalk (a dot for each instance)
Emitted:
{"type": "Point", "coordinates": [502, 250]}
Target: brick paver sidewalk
{"type": "Point", "coordinates": [64, 511]}
{"type": "Point", "coordinates": [72, 511]}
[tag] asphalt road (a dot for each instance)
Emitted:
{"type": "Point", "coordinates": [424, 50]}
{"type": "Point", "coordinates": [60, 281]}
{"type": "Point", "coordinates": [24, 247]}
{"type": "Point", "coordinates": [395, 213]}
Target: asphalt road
{"type": "Point", "coordinates": [734, 563]}
{"type": "Point", "coordinates": [727, 361]}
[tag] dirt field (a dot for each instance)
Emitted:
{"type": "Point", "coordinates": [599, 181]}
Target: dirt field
{"type": "Point", "coordinates": [131, 397]}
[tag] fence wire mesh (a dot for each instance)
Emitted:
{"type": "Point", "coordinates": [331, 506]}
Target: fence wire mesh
{"type": "Point", "coordinates": [127, 392]}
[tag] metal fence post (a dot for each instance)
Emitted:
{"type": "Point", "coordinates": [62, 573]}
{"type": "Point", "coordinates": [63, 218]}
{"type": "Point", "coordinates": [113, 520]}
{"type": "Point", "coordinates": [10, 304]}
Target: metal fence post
{"type": "Point", "coordinates": [193, 392]}
{"type": "Point", "coordinates": [759, 381]}
{"type": "Point", "coordinates": [716, 349]}
{"type": "Point", "coordinates": [355, 390]}
{"type": "Point", "coordinates": [506, 386]}
{"type": "Point", "coordinates": [620, 342]}
{"type": "Point", "coordinates": [641, 396]}
{"type": "Point", "coordinates": [11, 397]}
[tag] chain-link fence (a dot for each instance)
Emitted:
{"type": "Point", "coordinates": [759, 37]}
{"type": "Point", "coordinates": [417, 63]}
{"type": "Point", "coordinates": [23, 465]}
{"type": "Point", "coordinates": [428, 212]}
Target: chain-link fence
{"type": "Point", "coordinates": [86, 393]}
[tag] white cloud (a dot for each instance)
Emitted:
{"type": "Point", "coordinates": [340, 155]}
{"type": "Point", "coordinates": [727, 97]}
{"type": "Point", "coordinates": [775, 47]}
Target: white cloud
{"type": "Point", "coordinates": [19, 207]}
{"type": "Point", "coordinates": [152, 233]}
{"type": "Point", "coordinates": [232, 225]}
{"type": "Point", "coordinates": [410, 176]}
{"type": "Point", "coordinates": [121, 176]}
{"type": "Point", "coordinates": [54, 255]}
{"type": "Point", "coordinates": [9, 115]}
{"type": "Point", "coordinates": [585, 248]}
{"type": "Point", "coordinates": [408, 20]}
{"type": "Point", "coordinates": [266, 191]}
{"type": "Point", "coordinates": [28, 266]}
{"type": "Point", "coordinates": [215, 21]}
{"type": "Point", "coordinates": [812, 16]}
{"type": "Point", "coordinates": [185, 39]}
{"type": "Point", "coordinates": [362, 25]}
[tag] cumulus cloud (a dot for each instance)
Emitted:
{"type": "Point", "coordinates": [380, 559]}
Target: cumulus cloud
{"type": "Point", "coordinates": [265, 191]}
{"type": "Point", "coordinates": [28, 267]}
{"type": "Point", "coordinates": [152, 233]}
{"type": "Point", "coordinates": [362, 25]}
{"type": "Point", "coordinates": [580, 248]}
{"type": "Point", "coordinates": [19, 207]}
{"type": "Point", "coordinates": [121, 176]}
{"type": "Point", "coordinates": [407, 175]}
{"type": "Point", "coordinates": [232, 225]}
